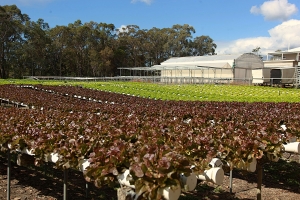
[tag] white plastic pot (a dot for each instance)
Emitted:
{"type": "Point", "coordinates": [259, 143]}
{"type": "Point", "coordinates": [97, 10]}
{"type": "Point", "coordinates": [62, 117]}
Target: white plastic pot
{"type": "Point", "coordinates": [28, 152]}
{"type": "Point", "coordinates": [168, 193]}
{"type": "Point", "coordinates": [293, 147]}
{"type": "Point", "coordinates": [171, 193]}
{"type": "Point", "coordinates": [54, 157]}
{"type": "Point", "coordinates": [214, 175]}
{"type": "Point", "coordinates": [215, 162]}
{"type": "Point", "coordinates": [83, 164]}
{"type": "Point", "coordinates": [124, 179]}
{"type": "Point", "coordinates": [189, 182]}
{"type": "Point", "coordinates": [251, 167]}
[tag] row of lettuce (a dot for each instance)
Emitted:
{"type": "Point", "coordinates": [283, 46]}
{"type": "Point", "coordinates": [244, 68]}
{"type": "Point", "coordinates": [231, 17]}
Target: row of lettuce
{"type": "Point", "coordinates": [156, 140]}
{"type": "Point", "coordinates": [202, 92]}
{"type": "Point", "coordinates": [185, 92]}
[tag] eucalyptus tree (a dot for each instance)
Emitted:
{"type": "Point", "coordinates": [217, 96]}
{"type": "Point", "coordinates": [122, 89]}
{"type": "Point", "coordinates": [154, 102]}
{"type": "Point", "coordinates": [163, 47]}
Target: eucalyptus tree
{"type": "Point", "coordinates": [100, 48]}
{"type": "Point", "coordinates": [60, 41]}
{"type": "Point", "coordinates": [179, 39]}
{"type": "Point", "coordinates": [37, 46]}
{"type": "Point", "coordinates": [157, 38]}
{"type": "Point", "coordinates": [130, 41]}
{"type": "Point", "coordinates": [256, 50]}
{"type": "Point", "coordinates": [203, 45]}
{"type": "Point", "coordinates": [141, 52]}
{"type": "Point", "coordinates": [11, 30]}
{"type": "Point", "coordinates": [78, 50]}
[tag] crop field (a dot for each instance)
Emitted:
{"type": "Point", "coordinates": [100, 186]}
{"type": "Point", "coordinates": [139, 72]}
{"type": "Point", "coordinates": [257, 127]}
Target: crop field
{"type": "Point", "coordinates": [185, 92]}
{"type": "Point", "coordinates": [160, 135]}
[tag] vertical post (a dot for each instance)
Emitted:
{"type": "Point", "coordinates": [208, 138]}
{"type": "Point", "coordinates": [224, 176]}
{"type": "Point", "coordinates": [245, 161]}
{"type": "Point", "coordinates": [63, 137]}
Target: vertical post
{"type": "Point", "coordinates": [259, 180]}
{"type": "Point", "coordinates": [86, 190]}
{"type": "Point", "coordinates": [8, 174]}
{"type": "Point", "coordinates": [65, 184]}
{"type": "Point", "coordinates": [230, 181]}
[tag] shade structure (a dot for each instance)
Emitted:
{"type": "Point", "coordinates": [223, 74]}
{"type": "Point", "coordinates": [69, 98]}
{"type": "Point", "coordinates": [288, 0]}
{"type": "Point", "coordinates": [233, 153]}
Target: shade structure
{"type": "Point", "coordinates": [206, 69]}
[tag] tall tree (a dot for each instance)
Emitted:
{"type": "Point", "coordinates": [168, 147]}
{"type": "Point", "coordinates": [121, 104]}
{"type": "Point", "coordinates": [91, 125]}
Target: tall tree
{"type": "Point", "coordinates": [79, 48]}
{"type": "Point", "coordinates": [129, 40]}
{"type": "Point", "coordinates": [11, 29]}
{"type": "Point", "coordinates": [179, 39]}
{"type": "Point", "coordinates": [203, 45]}
{"type": "Point", "coordinates": [37, 45]}
{"type": "Point", "coordinates": [90, 49]}
{"type": "Point", "coordinates": [157, 38]}
{"type": "Point", "coordinates": [256, 50]}
{"type": "Point", "coordinates": [100, 48]}
{"type": "Point", "coordinates": [60, 40]}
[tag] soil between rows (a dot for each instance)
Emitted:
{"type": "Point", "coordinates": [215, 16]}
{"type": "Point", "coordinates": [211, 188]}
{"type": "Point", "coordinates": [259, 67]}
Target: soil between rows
{"type": "Point", "coordinates": [281, 181]}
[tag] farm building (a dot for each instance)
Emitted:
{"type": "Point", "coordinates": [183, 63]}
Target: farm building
{"type": "Point", "coordinates": [283, 66]}
{"type": "Point", "coordinates": [279, 68]}
{"type": "Point", "coordinates": [214, 68]}
{"type": "Point", "coordinates": [205, 69]}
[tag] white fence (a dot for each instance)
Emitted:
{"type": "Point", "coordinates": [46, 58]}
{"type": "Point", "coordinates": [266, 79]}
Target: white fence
{"type": "Point", "coordinates": [178, 80]}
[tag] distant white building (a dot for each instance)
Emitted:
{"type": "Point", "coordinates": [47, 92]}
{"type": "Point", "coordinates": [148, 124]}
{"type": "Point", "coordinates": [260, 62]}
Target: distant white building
{"type": "Point", "coordinates": [280, 68]}
{"type": "Point", "coordinates": [283, 66]}
{"type": "Point", "coordinates": [207, 69]}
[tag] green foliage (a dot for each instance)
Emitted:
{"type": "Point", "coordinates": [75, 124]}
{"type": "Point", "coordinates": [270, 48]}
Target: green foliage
{"type": "Point", "coordinates": [206, 92]}
{"type": "Point", "coordinates": [88, 49]}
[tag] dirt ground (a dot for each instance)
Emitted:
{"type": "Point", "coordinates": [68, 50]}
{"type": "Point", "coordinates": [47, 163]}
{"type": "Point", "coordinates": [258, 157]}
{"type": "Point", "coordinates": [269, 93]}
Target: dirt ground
{"type": "Point", "coordinates": [281, 181]}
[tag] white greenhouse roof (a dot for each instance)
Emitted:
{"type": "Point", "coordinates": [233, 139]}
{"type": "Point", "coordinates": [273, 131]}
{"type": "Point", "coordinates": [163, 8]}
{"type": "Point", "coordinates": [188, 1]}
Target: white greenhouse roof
{"type": "Point", "coordinates": [204, 62]}
{"type": "Point", "coordinates": [213, 61]}
{"type": "Point", "coordinates": [190, 66]}
{"type": "Point", "coordinates": [290, 51]}
{"type": "Point", "coordinates": [196, 59]}
{"type": "Point", "coordinates": [294, 50]}
{"type": "Point", "coordinates": [193, 65]}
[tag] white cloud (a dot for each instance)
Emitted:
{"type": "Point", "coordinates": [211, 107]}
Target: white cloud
{"type": "Point", "coordinates": [144, 1]}
{"type": "Point", "coordinates": [284, 36]}
{"type": "Point", "coordinates": [275, 10]}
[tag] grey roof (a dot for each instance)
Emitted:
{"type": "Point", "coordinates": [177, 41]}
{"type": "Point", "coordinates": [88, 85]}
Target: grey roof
{"type": "Point", "coordinates": [201, 58]}
{"type": "Point", "coordinates": [196, 65]}
{"type": "Point", "coordinates": [289, 51]}
{"type": "Point", "coordinates": [248, 60]}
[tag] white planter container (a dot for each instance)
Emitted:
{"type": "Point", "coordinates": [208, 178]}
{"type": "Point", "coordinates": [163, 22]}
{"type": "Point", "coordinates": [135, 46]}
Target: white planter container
{"type": "Point", "coordinates": [168, 193]}
{"type": "Point", "coordinates": [171, 193]}
{"type": "Point", "coordinates": [124, 179]}
{"type": "Point", "coordinates": [28, 152]}
{"type": "Point", "coordinates": [214, 175]}
{"type": "Point", "coordinates": [189, 182]}
{"type": "Point", "coordinates": [293, 147]}
{"type": "Point", "coordinates": [251, 167]}
{"type": "Point", "coordinates": [83, 164]}
{"type": "Point", "coordinates": [215, 162]}
{"type": "Point", "coordinates": [52, 157]}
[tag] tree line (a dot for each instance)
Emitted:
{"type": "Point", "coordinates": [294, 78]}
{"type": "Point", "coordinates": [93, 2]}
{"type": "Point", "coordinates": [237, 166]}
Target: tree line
{"type": "Point", "coordinates": [32, 48]}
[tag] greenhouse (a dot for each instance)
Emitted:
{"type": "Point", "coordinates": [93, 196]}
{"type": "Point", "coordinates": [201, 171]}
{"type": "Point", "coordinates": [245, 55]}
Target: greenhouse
{"type": "Point", "coordinates": [201, 69]}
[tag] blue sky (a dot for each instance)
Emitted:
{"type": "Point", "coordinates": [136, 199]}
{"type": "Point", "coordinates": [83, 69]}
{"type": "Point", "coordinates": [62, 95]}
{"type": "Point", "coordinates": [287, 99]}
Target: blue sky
{"type": "Point", "coordinates": [236, 26]}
